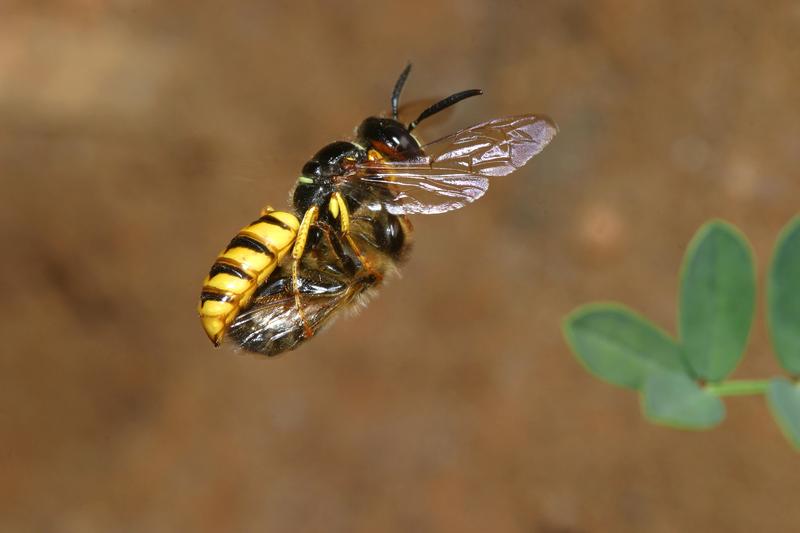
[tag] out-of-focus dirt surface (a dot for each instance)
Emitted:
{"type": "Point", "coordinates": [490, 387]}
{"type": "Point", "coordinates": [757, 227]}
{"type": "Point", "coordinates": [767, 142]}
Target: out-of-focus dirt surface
{"type": "Point", "coordinates": [136, 137]}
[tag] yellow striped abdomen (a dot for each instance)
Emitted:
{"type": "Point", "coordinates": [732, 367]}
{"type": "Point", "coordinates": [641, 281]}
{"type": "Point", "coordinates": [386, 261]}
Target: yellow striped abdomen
{"type": "Point", "coordinates": [244, 265]}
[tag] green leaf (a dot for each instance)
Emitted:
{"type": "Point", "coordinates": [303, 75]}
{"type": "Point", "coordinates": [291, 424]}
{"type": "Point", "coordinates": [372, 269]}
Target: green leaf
{"type": "Point", "coordinates": [675, 400]}
{"type": "Point", "coordinates": [620, 346]}
{"type": "Point", "coordinates": [783, 297]}
{"type": "Point", "coordinates": [717, 300]}
{"type": "Point", "coordinates": [783, 398]}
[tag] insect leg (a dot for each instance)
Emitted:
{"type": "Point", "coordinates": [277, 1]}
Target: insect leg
{"type": "Point", "coordinates": [309, 218]}
{"type": "Point", "coordinates": [346, 263]}
{"type": "Point", "coordinates": [344, 220]}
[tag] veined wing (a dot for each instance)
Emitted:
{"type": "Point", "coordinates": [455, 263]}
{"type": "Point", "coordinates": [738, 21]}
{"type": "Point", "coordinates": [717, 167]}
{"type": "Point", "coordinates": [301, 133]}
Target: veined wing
{"type": "Point", "coordinates": [455, 168]}
{"type": "Point", "coordinates": [271, 324]}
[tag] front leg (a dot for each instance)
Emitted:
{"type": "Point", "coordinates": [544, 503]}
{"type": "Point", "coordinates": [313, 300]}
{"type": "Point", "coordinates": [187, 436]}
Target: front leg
{"type": "Point", "coordinates": [309, 219]}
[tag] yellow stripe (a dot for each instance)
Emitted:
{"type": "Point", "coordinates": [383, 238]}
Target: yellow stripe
{"type": "Point", "coordinates": [216, 315]}
{"type": "Point", "coordinates": [250, 261]}
{"type": "Point", "coordinates": [274, 237]}
{"type": "Point", "coordinates": [216, 308]}
{"type": "Point", "coordinates": [287, 218]}
{"type": "Point", "coordinates": [227, 283]}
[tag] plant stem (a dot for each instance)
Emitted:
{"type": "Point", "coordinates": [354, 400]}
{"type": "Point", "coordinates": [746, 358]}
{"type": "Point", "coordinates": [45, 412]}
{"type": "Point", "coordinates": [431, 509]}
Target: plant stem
{"type": "Point", "coordinates": [738, 387]}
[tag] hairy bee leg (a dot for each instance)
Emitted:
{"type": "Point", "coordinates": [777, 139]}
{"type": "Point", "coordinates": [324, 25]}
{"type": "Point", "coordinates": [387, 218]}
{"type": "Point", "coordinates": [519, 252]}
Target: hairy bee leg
{"type": "Point", "coordinates": [339, 208]}
{"type": "Point", "coordinates": [309, 218]}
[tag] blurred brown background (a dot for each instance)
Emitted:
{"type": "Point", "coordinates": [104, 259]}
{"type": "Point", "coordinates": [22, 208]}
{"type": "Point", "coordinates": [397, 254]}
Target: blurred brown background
{"type": "Point", "coordinates": [136, 137]}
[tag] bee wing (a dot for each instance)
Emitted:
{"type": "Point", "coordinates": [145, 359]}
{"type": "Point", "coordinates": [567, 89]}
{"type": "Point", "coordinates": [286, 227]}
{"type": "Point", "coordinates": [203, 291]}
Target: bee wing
{"type": "Point", "coordinates": [456, 168]}
{"type": "Point", "coordinates": [271, 324]}
{"type": "Point", "coordinates": [494, 148]}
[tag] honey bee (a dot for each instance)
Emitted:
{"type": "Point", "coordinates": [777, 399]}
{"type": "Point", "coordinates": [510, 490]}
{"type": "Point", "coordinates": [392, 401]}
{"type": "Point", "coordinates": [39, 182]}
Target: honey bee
{"type": "Point", "coordinates": [283, 277]}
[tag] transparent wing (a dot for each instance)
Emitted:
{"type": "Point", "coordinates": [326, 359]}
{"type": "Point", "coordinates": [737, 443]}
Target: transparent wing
{"type": "Point", "coordinates": [494, 148]}
{"type": "Point", "coordinates": [271, 323]}
{"type": "Point", "coordinates": [403, 188]}
{"type": "Point", "coordinates": [456, 168]}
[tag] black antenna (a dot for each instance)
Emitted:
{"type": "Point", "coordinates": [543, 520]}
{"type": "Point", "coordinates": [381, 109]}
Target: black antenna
{"type": "Point", "coordinates": [398, 88]}
{"type": "Point", "coordinates": [444, 104]}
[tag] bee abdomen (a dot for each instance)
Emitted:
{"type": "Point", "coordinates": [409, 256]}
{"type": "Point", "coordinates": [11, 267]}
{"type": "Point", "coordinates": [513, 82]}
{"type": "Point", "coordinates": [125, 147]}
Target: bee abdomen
{"type": "Point", "coordinates": [246, 262]}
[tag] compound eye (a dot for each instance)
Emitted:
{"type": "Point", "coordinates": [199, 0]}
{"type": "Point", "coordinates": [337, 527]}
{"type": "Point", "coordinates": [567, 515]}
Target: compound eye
{"type": "Point", "coordinates": [395, 137]}
{"type": "Point", "coordinates": [399, 141]}
{"type": "Point", "coordinates": [388, 137]}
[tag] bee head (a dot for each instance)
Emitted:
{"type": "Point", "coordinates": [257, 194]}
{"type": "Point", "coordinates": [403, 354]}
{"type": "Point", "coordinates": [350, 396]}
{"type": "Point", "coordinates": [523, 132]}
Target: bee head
{"type": "Point", "coordinates": [389, 137]}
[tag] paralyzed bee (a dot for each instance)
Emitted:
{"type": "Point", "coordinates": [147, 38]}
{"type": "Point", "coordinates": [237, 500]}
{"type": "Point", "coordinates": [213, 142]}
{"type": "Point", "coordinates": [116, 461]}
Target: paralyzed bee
{"type": "Point", "coordinates": [283, 277]}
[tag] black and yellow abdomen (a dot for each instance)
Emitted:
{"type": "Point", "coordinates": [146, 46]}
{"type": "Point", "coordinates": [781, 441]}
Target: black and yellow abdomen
{"type": "Point", "coordinates": [244, 265]}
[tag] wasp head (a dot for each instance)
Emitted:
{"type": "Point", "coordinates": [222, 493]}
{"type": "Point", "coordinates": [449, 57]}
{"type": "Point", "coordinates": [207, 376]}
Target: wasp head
{"type": "Point", "coordinates": [389, 137]}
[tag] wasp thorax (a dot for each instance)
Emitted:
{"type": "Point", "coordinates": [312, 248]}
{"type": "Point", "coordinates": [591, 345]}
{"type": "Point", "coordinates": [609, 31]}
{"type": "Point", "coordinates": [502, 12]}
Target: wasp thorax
{"type": "Point", "coordinates": [311, 171]}
{"type": "Point", "coordinates": [389, 137]}
{"type": "Point", "coordinates": [334, 160]}
{"type": "Point", "coordinates": [303, 196]}
{"type": "Point", "coordinates": [316, 182]}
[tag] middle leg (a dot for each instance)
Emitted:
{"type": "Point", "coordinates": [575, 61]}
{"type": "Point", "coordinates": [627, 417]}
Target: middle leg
{"type": "Point", "coordinates": [338, 208]}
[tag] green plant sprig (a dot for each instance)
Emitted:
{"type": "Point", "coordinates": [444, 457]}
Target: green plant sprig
{"type": "Point", "coordinates": [738, 387]}
{"type": "Point", "coordinates": [681, 380]}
